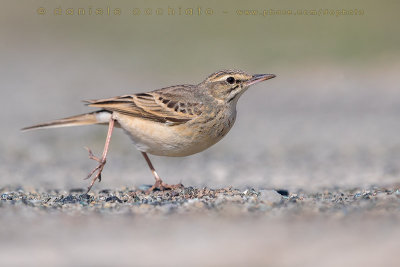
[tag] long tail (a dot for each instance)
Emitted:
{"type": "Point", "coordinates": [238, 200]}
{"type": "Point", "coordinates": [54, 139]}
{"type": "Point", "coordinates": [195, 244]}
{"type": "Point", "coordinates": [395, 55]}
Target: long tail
{"type": "Point", "coordinates": [97, 117]}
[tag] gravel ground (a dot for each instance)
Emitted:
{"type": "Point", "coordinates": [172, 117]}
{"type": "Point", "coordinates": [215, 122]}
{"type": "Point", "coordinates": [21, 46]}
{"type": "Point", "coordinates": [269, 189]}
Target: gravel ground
{"type": "Point", "coordinates": [220, 202]}
{"type": "Point", "coordinates": [200, 227]}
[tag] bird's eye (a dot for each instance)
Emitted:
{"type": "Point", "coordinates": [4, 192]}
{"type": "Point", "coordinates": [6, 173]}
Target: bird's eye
{"type": "Point", "coordinates": [230, 80]}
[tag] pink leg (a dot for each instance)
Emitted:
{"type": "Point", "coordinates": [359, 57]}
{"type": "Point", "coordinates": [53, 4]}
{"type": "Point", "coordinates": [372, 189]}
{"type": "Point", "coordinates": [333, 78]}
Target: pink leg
{"type": "Point", "coordinates": [159, 183]}
{"type": "Point", "coordinates": [101, 161]}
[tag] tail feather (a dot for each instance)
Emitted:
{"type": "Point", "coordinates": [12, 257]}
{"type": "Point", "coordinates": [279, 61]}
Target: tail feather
{"type": "Point", "coordinates": [97, 117]}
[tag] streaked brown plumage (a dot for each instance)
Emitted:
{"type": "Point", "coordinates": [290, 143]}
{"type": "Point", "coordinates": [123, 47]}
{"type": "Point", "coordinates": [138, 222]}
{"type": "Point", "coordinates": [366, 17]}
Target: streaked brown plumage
{"type": "Point", "coordinates": [174, 121]}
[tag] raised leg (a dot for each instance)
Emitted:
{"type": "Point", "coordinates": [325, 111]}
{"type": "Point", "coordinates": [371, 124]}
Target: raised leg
{"type": "Point", "coordinates": [159, 184]}
{"type": "Point", "coordinates": [102, 160]}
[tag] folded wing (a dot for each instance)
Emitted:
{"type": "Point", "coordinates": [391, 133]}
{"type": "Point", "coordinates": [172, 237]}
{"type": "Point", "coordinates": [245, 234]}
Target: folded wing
{"type": "Point", "coordinates": [158, 107]}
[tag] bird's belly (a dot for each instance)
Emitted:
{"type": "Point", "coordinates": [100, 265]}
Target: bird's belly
{"type": "Point", "coordinates": [163, 140]}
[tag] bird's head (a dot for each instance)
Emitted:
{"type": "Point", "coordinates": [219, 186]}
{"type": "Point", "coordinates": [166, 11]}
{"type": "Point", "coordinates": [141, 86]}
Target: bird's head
{"type": "Point", "coordinates": [229, 85]}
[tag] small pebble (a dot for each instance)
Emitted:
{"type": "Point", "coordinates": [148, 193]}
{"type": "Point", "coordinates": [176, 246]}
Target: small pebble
{"type": "Point", "coordinates": [283, 192]}
{"type": "Point", "coordinates": [144, 187]}
{"type": "Point", "coordinates": [113, 199]}
{"type": "Point", "coordinates": [270, 196]}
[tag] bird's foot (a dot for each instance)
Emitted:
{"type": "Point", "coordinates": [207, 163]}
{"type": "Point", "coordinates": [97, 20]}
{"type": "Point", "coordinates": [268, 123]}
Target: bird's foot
{"type": "Point", "coordinates": [91, 156]}
{"type": "Point", "coordinates": [97, 170]}
{"type": "Point", "coordinates": [160, 185]}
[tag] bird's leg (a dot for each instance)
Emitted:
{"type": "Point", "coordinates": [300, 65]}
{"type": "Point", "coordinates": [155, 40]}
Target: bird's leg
{"type": "Point", "coordinates": [159, 184]}
{"type": "Point", "coordinates": [102, 160]}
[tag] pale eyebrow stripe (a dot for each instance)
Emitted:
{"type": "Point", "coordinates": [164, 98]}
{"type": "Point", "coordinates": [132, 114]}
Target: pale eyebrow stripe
{"type": "Point", "coordinates": [224, 77]}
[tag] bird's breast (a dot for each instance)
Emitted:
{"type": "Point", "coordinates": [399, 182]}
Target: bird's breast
{"type": "Point", "coordinates": [176, 140]}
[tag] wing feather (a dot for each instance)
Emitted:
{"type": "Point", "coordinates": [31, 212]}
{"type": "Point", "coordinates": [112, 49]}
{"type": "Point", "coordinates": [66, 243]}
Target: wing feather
{"type": "Point", "coordinates": [153, 106]}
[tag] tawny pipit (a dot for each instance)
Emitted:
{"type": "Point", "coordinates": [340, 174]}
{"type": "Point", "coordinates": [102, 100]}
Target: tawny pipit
{"type": "Point", "coordinates": [175, 121]}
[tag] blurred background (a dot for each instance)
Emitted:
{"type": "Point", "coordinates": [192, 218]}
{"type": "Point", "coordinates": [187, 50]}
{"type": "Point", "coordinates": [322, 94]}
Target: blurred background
{"type": "Point", "coordinates": [329, 119]}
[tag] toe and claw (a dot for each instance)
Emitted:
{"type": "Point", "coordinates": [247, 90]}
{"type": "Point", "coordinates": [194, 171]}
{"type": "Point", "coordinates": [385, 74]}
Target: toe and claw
{"type": "Point", "coordinates": [98, 169]}
{"type": "Point", "coordinates": [160, 185]}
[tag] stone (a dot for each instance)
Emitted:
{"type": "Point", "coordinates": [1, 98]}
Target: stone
{"type": "Point", "coordinates": [270, 196]}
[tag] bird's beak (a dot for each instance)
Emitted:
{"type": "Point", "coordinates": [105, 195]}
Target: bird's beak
{"type": "Point", "coordinates": [259, 78]}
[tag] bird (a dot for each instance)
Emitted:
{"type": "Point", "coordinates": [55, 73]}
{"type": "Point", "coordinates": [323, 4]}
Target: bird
{"type": "Point", "coordinates": [174, 121]}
